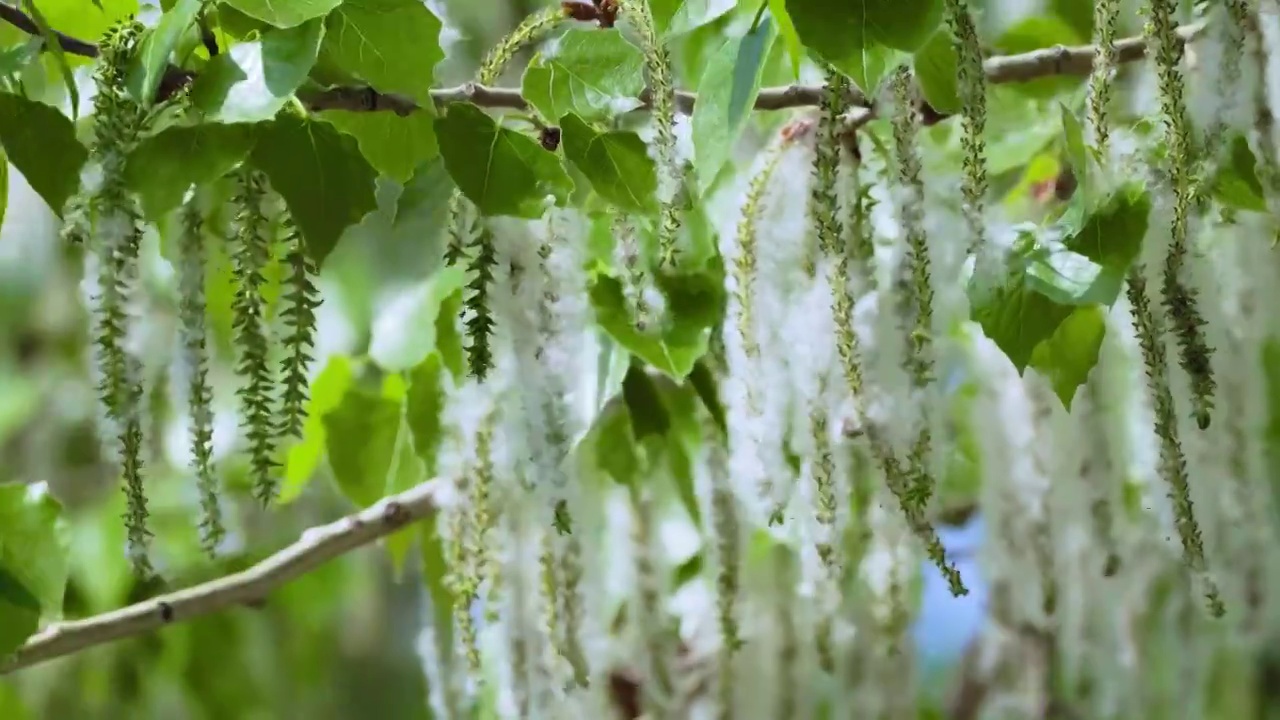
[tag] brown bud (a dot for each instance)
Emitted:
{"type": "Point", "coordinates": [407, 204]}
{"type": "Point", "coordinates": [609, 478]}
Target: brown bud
{"type": "Point", "coordinates": [929, 116]}
{"type": "Point", "coordinates": [550, 138]}
{"type": "Point", "coordinates": [580, 11]}
{"type": "Point", "coordinates": [608, 12]}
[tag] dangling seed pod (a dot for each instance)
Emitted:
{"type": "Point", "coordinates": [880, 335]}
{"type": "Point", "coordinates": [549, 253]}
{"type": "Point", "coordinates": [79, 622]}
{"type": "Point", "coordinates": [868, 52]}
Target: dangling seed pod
{"type": "Point", "coordinates": [971, 82]}
{"type": "Point", "coordinates": [531, 30]}
{"type": "Point", "coordinates": [195, 360]}
{"type": "Point", "coordinates": [658, 686]}
{"type": "Point", "coordinates": [1180, 303]}
{"type": "Point", "coordinates": [301, 300]}
{"type": "Point", "coordinates": [727, 539]}
{"type": "Point", "coordinates": [1173, 462]}
{"type": "Point", "coordinates": [252, 249]}
{"type": "Point", "coordinates": [662, 94]}
{"type": "Point", "coordinates": [116, 239]}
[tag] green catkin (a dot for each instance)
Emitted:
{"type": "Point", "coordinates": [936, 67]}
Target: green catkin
{"type": "Point", "coordinates": [727, 538]}
{"type": "Point", "coordinates": [971, 83]}
{"type": "Point", "coordinates": [479, 320]}
{"type": "Point", "coordinates": [195, 356]}
{"type": "Point", "coordinates": [252, 250]}
{"type": "Point", "coordinates": [637, 281]}
{"type": "Point", "coordinates": [301, 300]}
{"type": "Point", "coordinates": [117, 231]}
{"type": "Point", "coordinates": [1106, 16]}
{"type": "Point", "coordinates": [662, 94]}
{"type": "Point", "coordinates": [920, 360]}
{"type": "Point", "coordinates": [658, 684]}
{"type": "Point", "coordinates": [1173, 462]}
{"type": "Point", "coordinates": [475, 308]}
{"type": "Point", "coordinates": [1180, 304]}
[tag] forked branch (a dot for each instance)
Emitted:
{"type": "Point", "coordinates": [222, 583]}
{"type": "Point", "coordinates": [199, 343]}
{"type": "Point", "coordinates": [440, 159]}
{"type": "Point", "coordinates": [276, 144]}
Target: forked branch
{"type": "Point", "coordinates": [315, 547]}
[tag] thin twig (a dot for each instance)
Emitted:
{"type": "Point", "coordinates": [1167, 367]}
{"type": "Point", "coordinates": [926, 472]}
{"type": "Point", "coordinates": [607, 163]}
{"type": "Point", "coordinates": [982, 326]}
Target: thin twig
{"type": "Point", "coordinates": [1059, 60]}
{"type": "Point", "coordinates": [315, 547]}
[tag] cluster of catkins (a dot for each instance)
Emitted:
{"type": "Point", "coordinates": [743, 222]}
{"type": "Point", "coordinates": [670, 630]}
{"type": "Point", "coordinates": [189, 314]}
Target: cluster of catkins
{"type": "Point", "coordinates": [842, 307]}
{"type": "Point", "coordinates": [105, 218]}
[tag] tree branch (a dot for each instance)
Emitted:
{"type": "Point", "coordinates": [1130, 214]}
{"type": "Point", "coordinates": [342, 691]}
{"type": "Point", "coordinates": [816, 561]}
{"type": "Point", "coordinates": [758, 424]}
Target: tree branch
{"type": "Point", "coordinates": [1059, 60]}
{"type": "Point", "coordinates": [315, 547]}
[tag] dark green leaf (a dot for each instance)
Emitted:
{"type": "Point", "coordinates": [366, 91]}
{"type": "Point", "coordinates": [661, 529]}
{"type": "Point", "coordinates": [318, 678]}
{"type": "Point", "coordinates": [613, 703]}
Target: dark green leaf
{"type": "Point", "coordinates": [254, 79]}
{"type": "Point", "coordinates": [395, 145]}
{"type": "Point", "coordinates": [31, 547]}
{"type": "Point", "coordinates": [704, 384]}
{"type": "Point", "coordinates": [854, 36]}
{"type": "Point", "coordinates": [502, 171]}
{"type": "Point", "coordinates": [393, 45]}
{"type": "Point", "coordinates": [935, 69]}
{"type": "Point", "coordinates": [1112, 234]}
{"type": "Point", "coordinates": [596, 74]}
{"type": "Point", "coordinates": [649, 416]}
{"type": "Point", "coordinates": [360, 439]}
{"type": "Point", "coordinates": [41, 143]}
{"type": "Point", "coordinates": [1067, 357]}
{"type": "Point", "coordinates": [150, 64]}
{"type": "Point", "coordinates": [449, 338]}
{"type": "Point", "coordinates": [1236, 184]}
{"type": "Point", "coordinates": [284, 14]}
{"type": "Point", "coordinates": [4, 185]}
{"type": "Point", "coordinates": [616, 163]}
{"type": "Point", "coordinates": [320, 173]}
{"type": "Point", "coordinates": [55, 48]}
{"type": "Point", "coordinates": [163, 166]}
{"type": "Point", "coordinates": [407, 470]}
{"type": "Point", "coordinates": [726, 93]}
{"type": "Point", "coordinates": [19, 613]}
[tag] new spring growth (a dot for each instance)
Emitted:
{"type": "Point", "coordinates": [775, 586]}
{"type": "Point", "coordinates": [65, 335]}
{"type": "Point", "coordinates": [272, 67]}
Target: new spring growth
{"type": "Point", "coordinates": [1180, 304]}
{"type": "Point", "coordinates": [252, 249]}
{"type": "Point", "coordinates": [1173, 461]}
{"type": "Point", "coordinates": [195, 361]}
{"type": "Point", "coordinates": [662, 93]}
{"type": "Point", "coordinates": [1106, 15]}
{"type": "Point", "coordinates": [971, 83]}
{"type": "Point", "coordinates": [116, 231]}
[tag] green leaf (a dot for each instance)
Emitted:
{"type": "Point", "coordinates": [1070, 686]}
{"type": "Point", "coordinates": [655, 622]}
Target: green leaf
{"type": "Point", "coordinates": [4, 190]}
{"type": "Point", "coordinates": [253, 80]}
{"type": "Point", "coordinates": [80, 20]}
{"type": "Point", "coordinates": [617, 164]}
{"type": "Point", "coordinates": [41, 143]}
{"type": "Point", "coordinates": [1022, 304]}
{"type": "Point", "coordinates": [695, 304]}
{"type": "Point", "coordinates": [1067, 357]}
{"type": "Point", "coordinates": [1112, 234]}
{"type": "Point", "coordinates": [726, 94]}
{"type": "Point", "coordinates": [935, 68]}
{"type": "Point", "coordinates": [425, 403]}
{"type": "Point", "coordinates": [405, 332]}
{"type": "Point", "coordinates": [1236, 183]}
{"type": "Point", "coordinates": [787, 30]}
{"type": "Point", "coordinates": [393, 45]}
{"type": "Point", "coordinates": [59, 55]}
{"type": "Point", "coordinates": [320, 173]}
{"type": "Point", "coordinates": [693, 14]}
{"type": "Point", "coordinates": [502, 171]}
{"type": "Point", "coordinates": [449, 338]}
{"type": "Point", "coordinates": [31, 547]}
{"type": "Point", "coordinates": [848, 34]}
{"type": "Point", "coordinates": [703, 382]}
{"type": "Point", "coordinates": [1077, 151]}
{"type": "Point", "coordinates": [360, 439]}
{"type": "Point", "coordinates": [19, 613]}
{"type": "Point", "coordinates": [284, 14]}
{"type": "Point", "coordinates": [327, 391]}
{"type": "Point", "coordinates": [149, 65]}
{"type": "Point", "coordinates": [596, 74]}
{"type": "Point", "coordinates": [163, 166]}
{"type": "Point", "coordinates": [407, 470]}
{"type": "Point", "coordinates": [395, 145]}
{"type": "Point", "coordinates": [1034, 33]}
{"type": "Point", "coordinates": [649, 416]}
